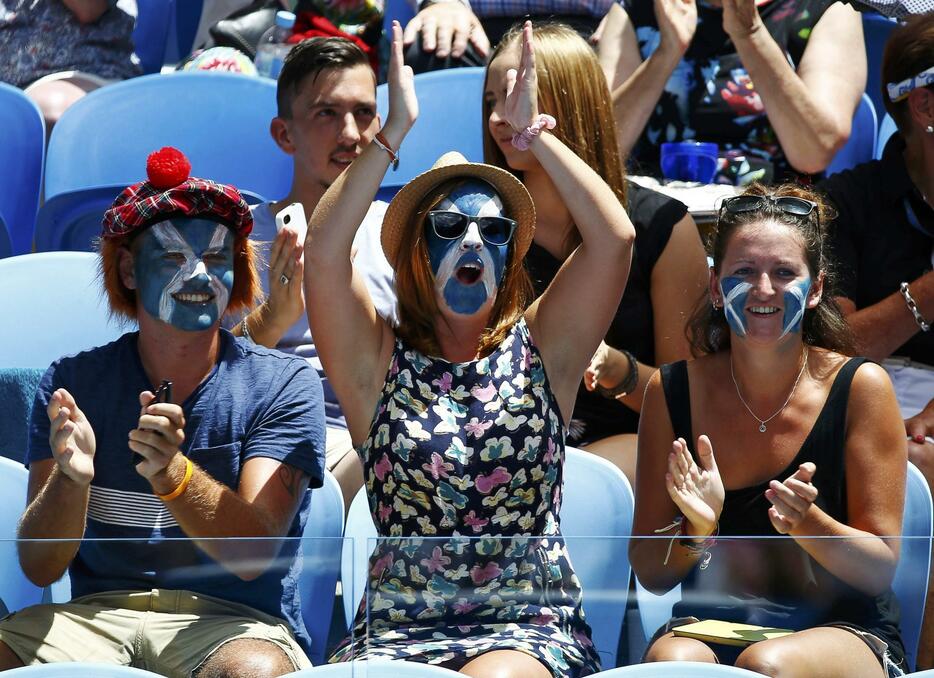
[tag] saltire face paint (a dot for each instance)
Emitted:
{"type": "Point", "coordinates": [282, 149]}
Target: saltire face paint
{"type": "Point", "coordinates": [796, 299]}
{"type": "Point", "coordinates": [735, 291]}
{"type": "Point", "coordinates": [185, 272]}
{"type": "Point", "coordinates": [467, 270]}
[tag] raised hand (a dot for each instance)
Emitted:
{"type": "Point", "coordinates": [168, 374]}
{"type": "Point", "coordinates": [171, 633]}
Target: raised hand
{"type": "Point", "coordinates": [791, 499]}
{"type": "Point", "coordinates": [71, 437]}
{"type": "Point", "coordinates": [158, 436]}
{"type": "Point", "coordinates": [677, 22]}
{"type": "Point", "coordinates": [286, 300]}
{"type": "Point", "coordinates": [696, 490]}
{"type": "Point", "coordinates": [403, 104]}
{"type": "Point", "coordinates": [741, 18]}
{"type": "Point", "coordinates": [521, 106]}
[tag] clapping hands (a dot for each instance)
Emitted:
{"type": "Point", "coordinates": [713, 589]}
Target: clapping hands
{"type": "Point", "coordinates": [696, 490]}
{"type": "Point", "coordinates": [71, 437]}
{"type": "Point", "coordinates": [791, 499]}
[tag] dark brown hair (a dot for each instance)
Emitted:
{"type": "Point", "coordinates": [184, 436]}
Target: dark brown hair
{"type": "Point", "coordinates": [415, 287]}
{"type": "Point", "coordinates": [823, 326]}
{"type": "Point", "coordinates": [908, 52]}
{"type": "Point", "coordinates": [122, 299]}
{"type": "Point", "coordinates": [307, 60]}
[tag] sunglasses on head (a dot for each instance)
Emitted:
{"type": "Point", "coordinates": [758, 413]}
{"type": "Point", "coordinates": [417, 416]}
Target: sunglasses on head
{"type": "Point", "coordinates": [452, 225]}
{"type": "Point", "coordinates": [740, 204]}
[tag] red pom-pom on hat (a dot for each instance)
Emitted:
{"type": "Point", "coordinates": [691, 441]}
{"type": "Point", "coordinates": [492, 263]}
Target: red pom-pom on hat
{"type": "Point", "coordinates": [167, 168]}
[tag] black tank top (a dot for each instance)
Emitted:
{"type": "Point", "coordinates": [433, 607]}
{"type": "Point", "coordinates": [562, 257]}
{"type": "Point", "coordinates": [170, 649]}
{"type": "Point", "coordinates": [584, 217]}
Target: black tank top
{"type": "Point", "coordinates": [774, 582]}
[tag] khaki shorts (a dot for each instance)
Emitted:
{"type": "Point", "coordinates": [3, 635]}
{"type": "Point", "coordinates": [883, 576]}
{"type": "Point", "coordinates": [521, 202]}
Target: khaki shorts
{"type": "Point", "coordinates": [167, 632]}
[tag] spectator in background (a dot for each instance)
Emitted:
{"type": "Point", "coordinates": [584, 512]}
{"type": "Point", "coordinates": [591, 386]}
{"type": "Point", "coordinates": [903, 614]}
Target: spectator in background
{"type": "Point", "coordinates": [59, 50]}
{"type": "Point", "coordinates": [232, 454]}
{"type": "Point", "coordinates": [774, 82]}
{"type": "Point", "coordinates": [327, 116]}
{"type": "Point", "coordinates": [450, 33]}
{"type": "Point", "coordinates": [669, 268]}
{"type": "Point", "coordinates": [883, 240]}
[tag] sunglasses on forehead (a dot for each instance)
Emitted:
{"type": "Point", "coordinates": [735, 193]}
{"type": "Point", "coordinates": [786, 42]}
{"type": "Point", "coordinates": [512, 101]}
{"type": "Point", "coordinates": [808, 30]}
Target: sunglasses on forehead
{"type": "Point", "coordinates": [452, 225]}
{"type": "Point", "coordinates": [740, 204]}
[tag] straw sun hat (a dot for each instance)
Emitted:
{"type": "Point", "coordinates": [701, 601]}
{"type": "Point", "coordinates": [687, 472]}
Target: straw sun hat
{"type": "Point", "coordinates": [517, 203]}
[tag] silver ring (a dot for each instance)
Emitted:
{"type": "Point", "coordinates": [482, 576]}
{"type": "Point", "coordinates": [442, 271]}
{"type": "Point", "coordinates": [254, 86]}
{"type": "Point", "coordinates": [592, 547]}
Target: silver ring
{"type": "Point", "coordinates": [284, 279]}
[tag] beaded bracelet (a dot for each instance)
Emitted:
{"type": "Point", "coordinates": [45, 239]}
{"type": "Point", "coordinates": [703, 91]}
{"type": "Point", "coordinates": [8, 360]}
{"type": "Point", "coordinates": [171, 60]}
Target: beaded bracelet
{"type": "Point", "coordinates": [695, 548]}
{"type": "Point", "coordinates": [913, 307]}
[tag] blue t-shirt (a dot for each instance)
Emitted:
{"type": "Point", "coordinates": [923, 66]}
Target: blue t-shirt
{"type": "Point", "coordinates": [255, 403]}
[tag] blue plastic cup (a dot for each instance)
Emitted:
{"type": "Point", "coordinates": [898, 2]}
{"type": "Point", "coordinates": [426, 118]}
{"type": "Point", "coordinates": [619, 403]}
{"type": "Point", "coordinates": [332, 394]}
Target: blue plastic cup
{"type": "Point", "coordinates": [689, 161]}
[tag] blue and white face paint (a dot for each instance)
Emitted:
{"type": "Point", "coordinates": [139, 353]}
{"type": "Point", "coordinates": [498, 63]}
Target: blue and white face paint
{"type": "Point", "coordinates": [735, 290]}
{"type": "Point", "coordinates": [185, 272]}
{"type": "Point", "coordinates": [467, 270]}
{"type": "Point", "coordinates": [796, 299]}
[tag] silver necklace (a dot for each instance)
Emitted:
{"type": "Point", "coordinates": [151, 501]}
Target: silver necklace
{"type": "Point", "coordinates": [763, 422]}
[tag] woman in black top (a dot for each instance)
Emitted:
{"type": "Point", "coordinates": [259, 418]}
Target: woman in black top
{"type": "Point", "coordinates": [808, 444]}
{"type": "Point", "coordinates": [668, 267]}
{"type": "Point", "coordinates": [774, 81]}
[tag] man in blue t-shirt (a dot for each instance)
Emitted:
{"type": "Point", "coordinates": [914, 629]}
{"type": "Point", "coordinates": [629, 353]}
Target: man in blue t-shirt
{"type": "Point", "coordinates": [231, 452]}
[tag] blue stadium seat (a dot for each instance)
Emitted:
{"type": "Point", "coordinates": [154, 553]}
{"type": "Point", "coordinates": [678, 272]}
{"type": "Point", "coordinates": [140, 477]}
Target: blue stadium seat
{"type": "Point", "coordinates": [909, 584]}
{"type": "Point", "coordinates": [79, 670]}
{"type": "Point", "coordinates": [886, 130]}
{"type": "Point", "coordinates": [679, 670]}
{"type": "Point", "coordinates": [219, 120]}
{"type": "Point", "coordinates": [17, 393]}
{"type": "Point", "coordinates": [914, 563]}
{"type": "Point", "coordinates": [184, 29]}
{"type": "Point", "coordinates": [400, 10]}
{"type": "Point", "coordinates": [450, 118]}
{"type": "Point", "coordinates": [151, 33]}
{"type": "Point", "coordinates": [321, 557]}
{"type": "Point", "coordinates": [861, 145]}
{"type": "Point", "coordinates": [876, 29]}
{"type": "Point", "coordinates": [16, 591]}
{"type": "Point", "coordinates": [55, 306]}
{"type": "Point", "coordinates": [22, 156]}
{"type": "Point", "coordinates": [376, 669]}
{"type": "Point", "coordinates": [6, 244]}
{"type": "Point", "coordinates": [596, 520]}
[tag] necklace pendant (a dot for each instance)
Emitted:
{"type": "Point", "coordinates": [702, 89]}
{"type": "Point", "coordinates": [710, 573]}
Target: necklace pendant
{"type": "Point", "coordinates": [762, 427]}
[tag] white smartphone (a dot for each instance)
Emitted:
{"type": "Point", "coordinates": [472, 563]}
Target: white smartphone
{"type": "Point", "coordinates": [294, 216]}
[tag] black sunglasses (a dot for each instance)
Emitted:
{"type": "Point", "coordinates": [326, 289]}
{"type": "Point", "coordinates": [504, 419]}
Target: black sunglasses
{"type": "Point", "coordinates": [740, 204]}
{"type": "Point", "coordinates": [452, 225]}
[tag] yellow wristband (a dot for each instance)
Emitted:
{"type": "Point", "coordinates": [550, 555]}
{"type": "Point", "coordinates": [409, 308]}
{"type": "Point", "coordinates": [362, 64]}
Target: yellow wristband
{"type": "Point", "coordinates": [182, 486]}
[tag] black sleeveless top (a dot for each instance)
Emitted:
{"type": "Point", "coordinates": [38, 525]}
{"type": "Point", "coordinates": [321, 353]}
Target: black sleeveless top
{"type": "Point", "coordinates": [774, 582]}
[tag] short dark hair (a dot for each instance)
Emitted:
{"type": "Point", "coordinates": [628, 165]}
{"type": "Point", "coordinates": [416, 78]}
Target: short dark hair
{"type": "Point", "coordinates": [908, 51]}
{"type": "Point", "coordinates": [307, 59]}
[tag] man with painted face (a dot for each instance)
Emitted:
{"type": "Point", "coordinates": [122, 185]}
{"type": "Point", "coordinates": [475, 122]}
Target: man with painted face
{"type": "Point", "coordinates": [232, 454]}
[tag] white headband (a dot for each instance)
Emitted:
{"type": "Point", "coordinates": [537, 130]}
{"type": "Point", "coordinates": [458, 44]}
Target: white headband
{"type": "Point", "coordinates": [899, 90]}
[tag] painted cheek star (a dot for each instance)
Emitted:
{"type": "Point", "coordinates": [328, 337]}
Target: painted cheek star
{"type": "Point", "coordinates": [185, 272]}
{"type": "Point", "coordinates": [467, 269]}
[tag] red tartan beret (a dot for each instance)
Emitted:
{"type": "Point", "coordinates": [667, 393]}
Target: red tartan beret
{"type": "Point", "coordinates": [170, 192]}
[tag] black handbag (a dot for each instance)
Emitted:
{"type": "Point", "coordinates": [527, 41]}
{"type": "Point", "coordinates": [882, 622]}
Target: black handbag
{"type": "Point", "coordinates": [243, 29]}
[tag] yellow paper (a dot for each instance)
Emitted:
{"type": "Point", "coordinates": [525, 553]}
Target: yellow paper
{"type": "Point", "coordinates": [728, 633]}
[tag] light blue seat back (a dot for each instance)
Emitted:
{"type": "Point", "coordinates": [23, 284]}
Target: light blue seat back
{"type": "Point", "coordinates": [16, 591]}
{"type": "Point", "coordinates": [79, 670]}
{"type": "Point", "coordinates": [679, 670]}
{"type": "Point", "coordinates": [321, 559]}
{"type": "Point", "coordinates": [886, 130]}
{"type": "Point", "coordinates": [876, 30]}
{"type": "Point", "coordinates": [151, 33]}
{"type": "Point", "coordinates": [597, 502]}
{"type": "Point", "coordinates": [450, 118]}
{"type": "Point", "coordinates": [55, 306]}
{"type": "Point", "coordinates": [219, 120]}
{"type": "Point", "coordinates": [861, 146]}
{"type": "Point", "coordinates": [909, 584]}
{"type": "Point", "coordinates": [376, 669]}
{"type": "Point", "coordinates": [22, 158]}
{"type": "Point", "coordinates": [914, 563]}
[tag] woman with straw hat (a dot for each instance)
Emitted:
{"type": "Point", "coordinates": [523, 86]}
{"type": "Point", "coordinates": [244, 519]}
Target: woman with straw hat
{"type": "Point", "coordinates": [458, 413]}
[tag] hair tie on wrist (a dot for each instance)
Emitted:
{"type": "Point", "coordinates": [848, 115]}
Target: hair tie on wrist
{"type": "Point", "coordinates": [543, 121]}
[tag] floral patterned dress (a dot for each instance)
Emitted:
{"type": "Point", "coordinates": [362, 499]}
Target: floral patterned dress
{"type": "Point", "coordinates": [460, 453]}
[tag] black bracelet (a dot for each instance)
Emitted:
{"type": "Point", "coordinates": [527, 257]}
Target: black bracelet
{"type": "Point", "coordinates": [627, 385]}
